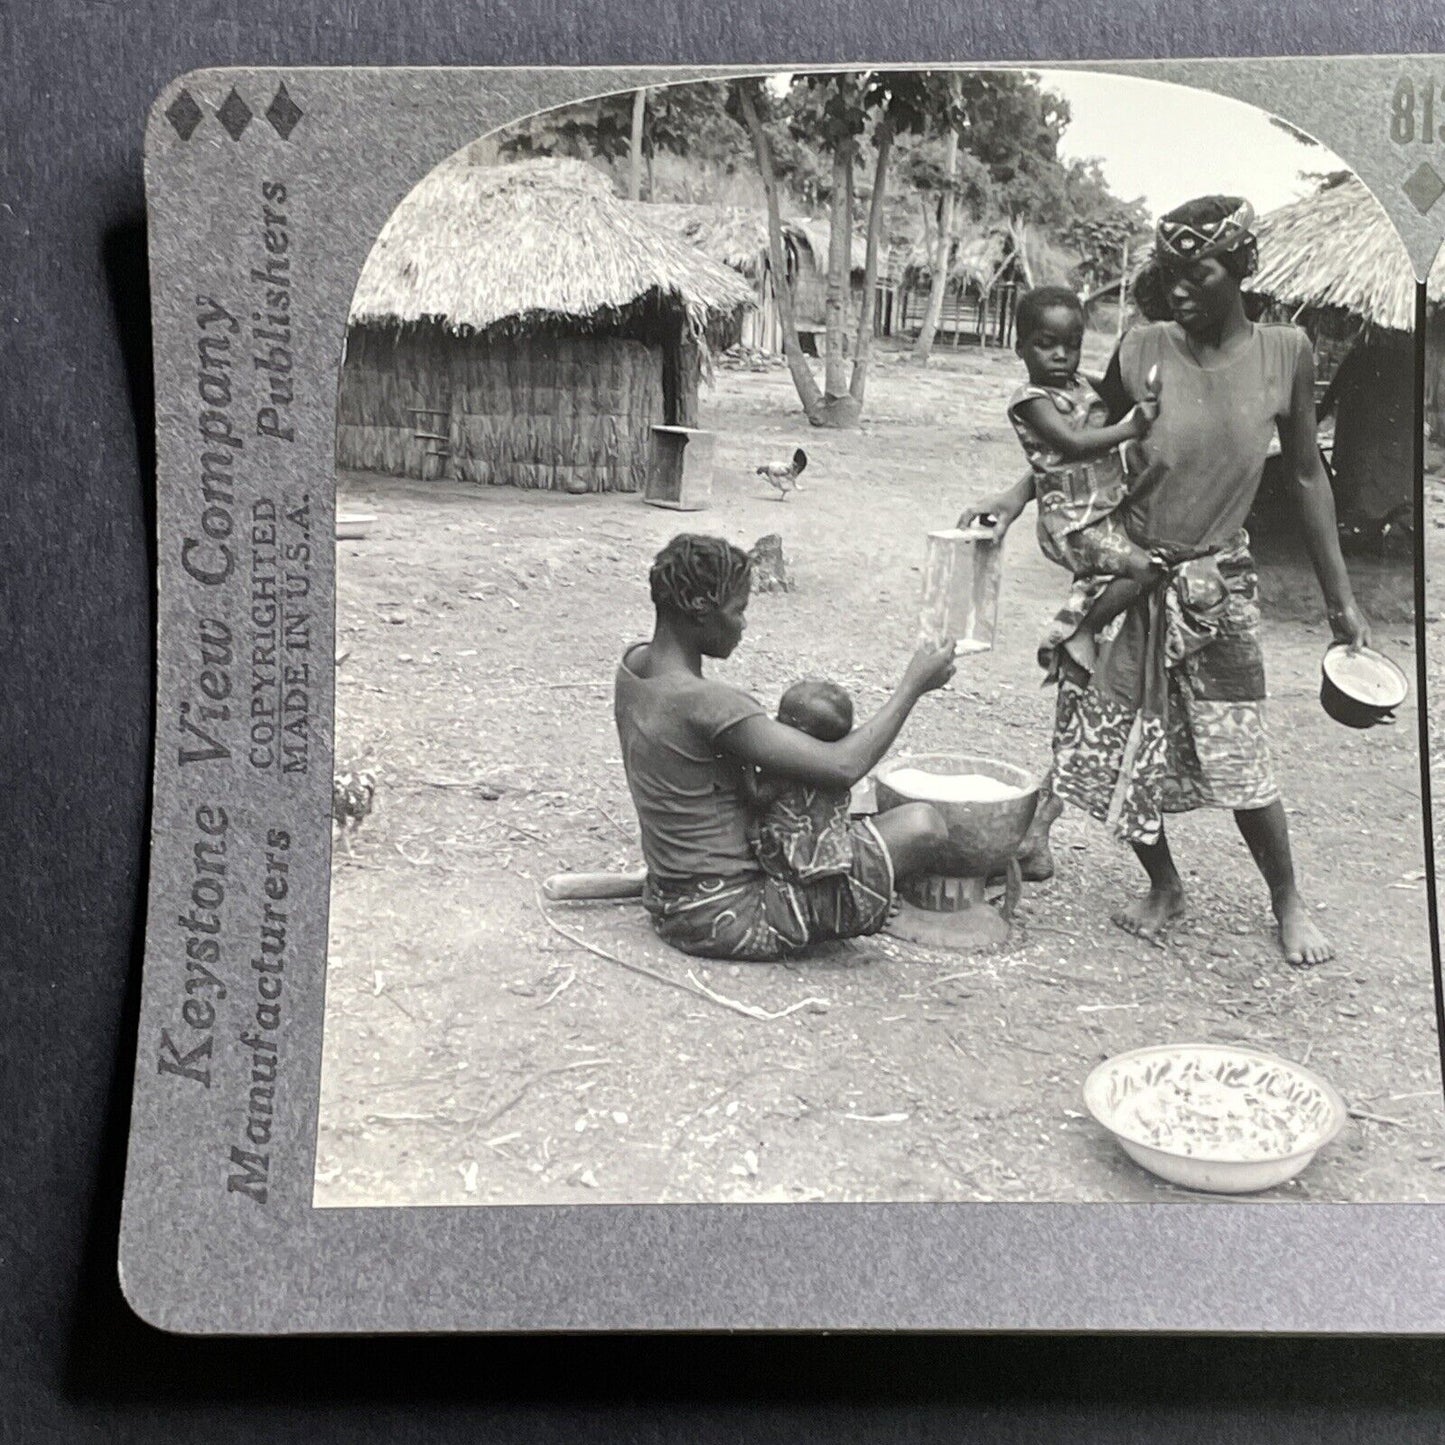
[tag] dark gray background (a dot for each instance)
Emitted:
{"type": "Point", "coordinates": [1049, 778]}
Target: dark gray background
{"type": "Point", "coordinates": [75, 606]}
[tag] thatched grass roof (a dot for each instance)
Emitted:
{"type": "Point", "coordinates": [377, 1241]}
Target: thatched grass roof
{"type": "Point", "coordinates": [535, 243]}
{"type": "Point", "coordinates": [734, 236]}
{"type": "Point", "coordinates": [738, 236]}
{"type": "Point", "coordinates": [974, 258]}
{"type": "Point", "coordinates": [980, 257]}
{"type": "Point", "coordinates": [817, 232]}
{"type": "Point", "coordinates": [977, 258]}
{"type": "Point", "coordinates": [1339, 249]}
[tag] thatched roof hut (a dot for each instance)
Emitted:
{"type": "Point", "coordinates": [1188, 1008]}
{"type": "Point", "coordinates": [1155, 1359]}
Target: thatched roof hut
{"type": "Point", "coordinates": [479, 248]}
{"type": "Point", "coordinates": [989, 266]}
{"type": "Point", "coordinates": [1334, 262]}
{"type": "Point", "coordinates": [520, 325]}
{"type": "Point", "coordinates": [819, 236]}
{"type": "Point", "coordinates": [737, 237]}
{"type": "Point", "coordinates": [1338, 250]}
{"type": "Point", "coordinates": [993, 254]}
{"type": "Point", "coordinates": [733, 236]}
{"type": "Point", "coordinates": [978, 260]}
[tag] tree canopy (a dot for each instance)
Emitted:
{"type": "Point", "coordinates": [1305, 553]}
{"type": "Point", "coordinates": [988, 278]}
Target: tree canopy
{"type": "Point", "coordinates": [1008, 166]}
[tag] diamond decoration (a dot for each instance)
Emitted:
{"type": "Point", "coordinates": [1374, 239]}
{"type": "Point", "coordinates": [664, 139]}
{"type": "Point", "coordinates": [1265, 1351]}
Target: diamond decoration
{"type": "Point", "coordinates": [234, 114]}
{"type": "Point", "coordinates": [185, 114]}
{"type": "Point", "coordinates": [283, 113]}
{"type": "Point", "coordinates": [1424, 187]}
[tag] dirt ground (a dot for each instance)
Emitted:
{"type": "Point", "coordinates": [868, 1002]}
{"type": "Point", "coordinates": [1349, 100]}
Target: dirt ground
{"type": "Point", "coordinates": [476, 1053]}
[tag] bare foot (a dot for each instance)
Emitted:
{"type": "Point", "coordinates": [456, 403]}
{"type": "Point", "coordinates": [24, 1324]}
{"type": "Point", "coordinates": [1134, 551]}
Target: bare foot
{"type": "Point", "coordinates": [1035, 857]}
{"type": "Point", "coordinates": [1149, 916]}
{"type": "Point", "coordinates": [1304, 945]}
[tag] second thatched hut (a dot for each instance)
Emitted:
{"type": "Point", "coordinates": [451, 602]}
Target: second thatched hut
{"type": "Point", "coordinates": [519, 325]}
{"type": "Point", "coordinates": [737, 237]}
{"type": "Point", "coordinates": [1334, 263]}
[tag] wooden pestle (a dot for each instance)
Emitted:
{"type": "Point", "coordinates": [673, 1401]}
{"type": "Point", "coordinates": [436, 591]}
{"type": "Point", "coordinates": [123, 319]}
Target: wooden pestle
{"type": "Point", "coordinates": [576, 887]}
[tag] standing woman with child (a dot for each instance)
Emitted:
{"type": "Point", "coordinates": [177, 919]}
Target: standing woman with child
{"type": "Point", "coordinates": [1140, 731]}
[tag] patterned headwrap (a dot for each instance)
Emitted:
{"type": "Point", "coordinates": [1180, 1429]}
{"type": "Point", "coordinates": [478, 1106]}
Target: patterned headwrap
{"type": "Point", "coordinates": [1210, 226]}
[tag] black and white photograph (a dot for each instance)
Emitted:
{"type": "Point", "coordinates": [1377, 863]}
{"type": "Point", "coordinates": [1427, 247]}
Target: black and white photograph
{"type": "Point", "coordinates": [793, 700]}
{"type": "Point", "coordinates": [875, 660]}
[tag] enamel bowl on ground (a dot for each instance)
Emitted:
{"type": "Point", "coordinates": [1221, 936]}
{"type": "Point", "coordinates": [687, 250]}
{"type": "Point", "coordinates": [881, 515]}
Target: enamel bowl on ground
{"type": "Point", "coordinates": [1214, 1117]}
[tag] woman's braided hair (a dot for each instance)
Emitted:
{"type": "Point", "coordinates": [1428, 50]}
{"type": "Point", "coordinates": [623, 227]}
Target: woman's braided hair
{"type": "Point", "coordinates": [695, 574]}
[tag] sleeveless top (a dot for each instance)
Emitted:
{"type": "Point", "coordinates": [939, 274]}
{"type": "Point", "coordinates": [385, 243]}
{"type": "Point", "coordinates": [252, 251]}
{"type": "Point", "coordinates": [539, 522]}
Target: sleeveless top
{"type": "Point", "coordinates": [1205, 454]}
{"type": "Point", "coordinates": [690, 805]}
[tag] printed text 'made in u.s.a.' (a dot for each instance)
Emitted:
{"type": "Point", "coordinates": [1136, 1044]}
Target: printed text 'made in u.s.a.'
{"type": "Point", "coordinates": [279, 711]}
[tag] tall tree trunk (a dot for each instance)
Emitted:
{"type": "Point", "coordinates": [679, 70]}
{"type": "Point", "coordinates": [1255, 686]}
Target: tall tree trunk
{"type": "Point", "coordinates": [803, 379]}
{"type": "Point", "coordinates": [840, 248]}
{"type": "Point", "coordinates": [930, 238]}
{"type": "Point", "coordinates": [862, 353]}
{"type": "Point", "coordinates": [1019, 231]}
{"type": "Point", "coordinates": [850, 212]}
{"type": "Point", "coordinates": [1123, 292]}
{"type": "Point", "coordinates": [942, 254]}
{"type": "Point", "coordinates": [634, 168]}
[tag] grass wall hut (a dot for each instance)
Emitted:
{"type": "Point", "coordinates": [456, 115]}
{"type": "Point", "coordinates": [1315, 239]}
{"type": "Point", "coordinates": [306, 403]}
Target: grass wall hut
{"type": "Point", "coordinates": [520, 326]}
{"type": "Point", "coordinates": [1334, 263]}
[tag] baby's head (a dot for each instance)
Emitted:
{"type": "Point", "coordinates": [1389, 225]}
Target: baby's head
{"type": "Point", "coordinates": [1050, 329]}
{"type": "Point", "coordinates": [819, 708]}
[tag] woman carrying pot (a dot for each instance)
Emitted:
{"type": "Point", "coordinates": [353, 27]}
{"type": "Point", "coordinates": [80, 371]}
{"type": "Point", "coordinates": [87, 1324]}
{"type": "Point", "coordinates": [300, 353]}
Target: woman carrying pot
{"type": "Point", "coordinates": [1141, 731]}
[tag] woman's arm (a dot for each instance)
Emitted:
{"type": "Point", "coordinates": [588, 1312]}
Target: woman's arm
{"type": "Point", "coordinates": [1299, 442]}
{"type": "Point", "coordinates": [1113, 392]}
{"type": "Point", "coordinates": [784, 752]}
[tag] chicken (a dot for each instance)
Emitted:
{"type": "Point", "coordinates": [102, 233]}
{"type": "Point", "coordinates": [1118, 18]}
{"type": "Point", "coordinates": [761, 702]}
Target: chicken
{"type": "Point", "coordinates": [784, 475]}
{"type": "Point", "coordinates": [352, 796]}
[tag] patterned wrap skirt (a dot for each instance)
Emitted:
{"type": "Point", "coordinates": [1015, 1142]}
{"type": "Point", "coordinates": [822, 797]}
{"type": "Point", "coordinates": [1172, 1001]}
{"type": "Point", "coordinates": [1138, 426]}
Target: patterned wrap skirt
{"type": "Point", "coordinates": [1147, 732]}
{"type": "Point", "coordinates": [759, 919]}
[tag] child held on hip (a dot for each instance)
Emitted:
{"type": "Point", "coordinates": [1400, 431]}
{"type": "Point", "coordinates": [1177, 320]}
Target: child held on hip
{"type": "Point", "coordinates": [1077, 463]}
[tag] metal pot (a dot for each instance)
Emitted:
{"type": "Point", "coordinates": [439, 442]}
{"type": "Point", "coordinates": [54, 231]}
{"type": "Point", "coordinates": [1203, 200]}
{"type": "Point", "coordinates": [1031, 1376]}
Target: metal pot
{"type": "Point", "coordinates": [1345, 704]}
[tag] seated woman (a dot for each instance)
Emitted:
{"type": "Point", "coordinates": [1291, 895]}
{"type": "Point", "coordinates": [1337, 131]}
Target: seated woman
{"type": "Point", "coordinates": [688, 743]}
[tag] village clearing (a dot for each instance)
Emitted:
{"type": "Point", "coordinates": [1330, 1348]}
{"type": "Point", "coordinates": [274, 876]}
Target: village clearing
{"type": "Point", "coordinates": [482, 1050]}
